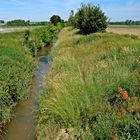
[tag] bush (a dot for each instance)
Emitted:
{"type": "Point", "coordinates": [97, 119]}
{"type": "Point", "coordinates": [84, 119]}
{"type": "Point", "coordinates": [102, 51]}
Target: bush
{"type": "Point", "coordinates": [89, 19]}
{"type": "Point", "coordinates": [40, 37]}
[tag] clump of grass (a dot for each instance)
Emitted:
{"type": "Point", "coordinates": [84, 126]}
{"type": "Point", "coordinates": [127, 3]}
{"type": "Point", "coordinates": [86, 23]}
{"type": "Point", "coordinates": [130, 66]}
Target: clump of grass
{"type": "Point", "coordinates": [83, 90]}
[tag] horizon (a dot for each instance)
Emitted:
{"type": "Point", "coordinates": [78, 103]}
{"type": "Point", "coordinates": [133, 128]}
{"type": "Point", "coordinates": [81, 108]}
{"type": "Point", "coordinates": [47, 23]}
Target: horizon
{"type": "Point", "coordinates": [42, 10]}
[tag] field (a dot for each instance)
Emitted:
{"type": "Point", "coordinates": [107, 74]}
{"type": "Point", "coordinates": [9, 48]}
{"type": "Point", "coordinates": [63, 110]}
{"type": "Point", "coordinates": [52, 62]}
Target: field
{"type": "Point", "coordinates": [92, 91]}
{"type": "Point", "coordinates": [123, 29]}
{"type": "Point", "coordinates": [17, 29]}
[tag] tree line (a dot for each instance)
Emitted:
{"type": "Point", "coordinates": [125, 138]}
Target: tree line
{"type": "Point", "coordinates": [19, 22]}
{"type": "Point", "coordinates": [127, 22]}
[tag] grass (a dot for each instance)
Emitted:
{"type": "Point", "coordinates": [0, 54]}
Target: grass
{"type": "Point", "coordinates": [124, 29]}
{"type": "Point", "coordinates": [92, 91]}
{"type": "Point", "coordinates": [16, 71]}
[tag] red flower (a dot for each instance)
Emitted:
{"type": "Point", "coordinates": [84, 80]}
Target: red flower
{"type": "Point", "coordinates": [121, 113]}
{"type": "Point", "coordinates": [124, 95]}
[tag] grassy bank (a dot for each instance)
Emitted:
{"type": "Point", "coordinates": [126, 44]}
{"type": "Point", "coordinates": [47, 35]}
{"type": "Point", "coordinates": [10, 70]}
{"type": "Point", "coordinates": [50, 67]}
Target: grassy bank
{"type": "Point", "coordinates": [17, 65]}
{"type": "Point", "coordinates": [16, 71]}
{"type": "Point", "coordinates": [93, 89]}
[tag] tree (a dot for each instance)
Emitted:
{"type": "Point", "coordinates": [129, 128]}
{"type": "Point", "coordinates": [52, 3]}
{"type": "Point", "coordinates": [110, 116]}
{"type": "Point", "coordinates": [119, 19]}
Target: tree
{"type": "Point", "coordinates": [71, 18]}
{"type": "Point", "coordinates": [89, 19]}
{"type": "Point", "coordinates": [55, 19]}
{"type": "Point", "coordinates": [1, 21]}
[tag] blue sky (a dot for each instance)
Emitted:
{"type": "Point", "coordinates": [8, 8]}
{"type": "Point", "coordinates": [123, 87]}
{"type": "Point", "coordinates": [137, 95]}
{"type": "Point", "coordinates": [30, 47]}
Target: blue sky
{"type": "Point", "coordinates": [42, 10]}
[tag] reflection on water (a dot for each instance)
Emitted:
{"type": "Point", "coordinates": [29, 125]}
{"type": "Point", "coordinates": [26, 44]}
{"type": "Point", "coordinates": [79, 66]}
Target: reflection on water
{"type": "Point", "coordinates": [22, 125]}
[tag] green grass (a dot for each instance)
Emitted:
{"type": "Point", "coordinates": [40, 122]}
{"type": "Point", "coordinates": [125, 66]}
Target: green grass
{"type": "Point", "coordinates": [16, 71]}
{"type": "Point", "coordinates": [82, 99]}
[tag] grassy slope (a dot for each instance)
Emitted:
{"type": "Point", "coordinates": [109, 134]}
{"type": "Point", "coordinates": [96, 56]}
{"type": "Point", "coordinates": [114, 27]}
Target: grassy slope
{"type": "Point", "coordinates": [84, 95]}
{"type": "Point", "coordinates": [16, 67]}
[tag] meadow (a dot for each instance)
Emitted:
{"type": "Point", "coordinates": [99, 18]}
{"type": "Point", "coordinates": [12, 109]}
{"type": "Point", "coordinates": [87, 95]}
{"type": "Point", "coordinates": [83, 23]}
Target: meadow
{"type": "Point", "coordinates": [92, 90]}
{"type": "Point", "coordinates": [125, 29]}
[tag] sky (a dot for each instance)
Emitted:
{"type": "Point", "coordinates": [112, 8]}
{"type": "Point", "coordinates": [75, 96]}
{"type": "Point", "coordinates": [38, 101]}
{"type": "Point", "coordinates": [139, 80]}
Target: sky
{"type": "Point", "coordinates": [42, 10]}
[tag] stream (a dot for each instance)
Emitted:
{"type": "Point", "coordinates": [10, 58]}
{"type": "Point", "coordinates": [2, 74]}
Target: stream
{"type": "Point", "coordinates": [22, 126]}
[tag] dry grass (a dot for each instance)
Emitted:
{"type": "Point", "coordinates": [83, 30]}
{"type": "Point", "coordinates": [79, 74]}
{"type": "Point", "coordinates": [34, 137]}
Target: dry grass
{"type": "Point", "coordinates": [124, 30]}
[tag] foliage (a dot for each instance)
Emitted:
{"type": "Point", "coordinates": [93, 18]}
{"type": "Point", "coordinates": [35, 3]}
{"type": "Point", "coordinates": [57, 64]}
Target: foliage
{"type": "Point", "coordinates": [71, 21]}
{"type": "Point", "coordinates": [16, 70]}
{"type": "Point", "coordinates": [55, 19]}
{"type": "Point", "coordinates": [89, 19]}
{"type": "Point", "coordinates": [18, 22]}
{"type": "Point", "coordinates": [2, 21]}
{"type": "Point", "coordinates": [40, 37]}
{"type": "Point", "coordinates": [95, 94]}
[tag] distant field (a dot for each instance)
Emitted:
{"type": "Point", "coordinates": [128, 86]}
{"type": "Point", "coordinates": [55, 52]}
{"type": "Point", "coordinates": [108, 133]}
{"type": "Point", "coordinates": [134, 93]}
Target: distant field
{"type": "Point", "coordinates": [13, 29]}
{"type": "Point", "coordinates": [5, 30]}
{"type": "Point", "coordinates": [123, 29]}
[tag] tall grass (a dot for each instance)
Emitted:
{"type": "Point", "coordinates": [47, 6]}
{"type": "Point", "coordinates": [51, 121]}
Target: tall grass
{"type": "Point", "coordinates": [16, 71]}
{"type": "Point", "coordinates": [92, 91]}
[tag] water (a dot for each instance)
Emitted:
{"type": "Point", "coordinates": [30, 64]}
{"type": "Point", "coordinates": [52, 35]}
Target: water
{"type": "Point", "coordinates": [22, 126]}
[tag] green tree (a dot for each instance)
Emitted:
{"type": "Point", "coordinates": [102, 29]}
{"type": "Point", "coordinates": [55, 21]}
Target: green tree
{"type": "Point", "coordinates": [89, 19]}
{"type": "Point", "coordinates": [71, 18]}
{"type": "Point", "coordinates": [55, 19]}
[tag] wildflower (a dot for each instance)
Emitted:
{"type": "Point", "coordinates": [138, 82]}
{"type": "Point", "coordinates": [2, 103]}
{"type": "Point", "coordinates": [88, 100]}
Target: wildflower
{"type": "Point", "coordinates": [121, 113]}
{"type": "Point", "coordinates": [124, 95]}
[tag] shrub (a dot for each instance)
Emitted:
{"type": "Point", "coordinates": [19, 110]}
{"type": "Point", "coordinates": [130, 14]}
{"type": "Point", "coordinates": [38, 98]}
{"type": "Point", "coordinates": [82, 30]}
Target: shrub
{"type": "Point", "coordinates": [89, 19]}
{"type": "Point", "coordinates": [40, 37]}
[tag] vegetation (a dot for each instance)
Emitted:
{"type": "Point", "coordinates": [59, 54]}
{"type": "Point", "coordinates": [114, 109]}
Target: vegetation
{"type": "Point", "coordinates": [2, 21]}
{"type": "Point", "coordinates": [17, 65]}
{"type": "Point", "coordinates": [18, 22]}
{"type": "Point", "coordinates": [127, 22]}
{"type": "Point", "coordinates": [55, 19]}
{"type": "Point", "coordinates": [16, 71]}
{"type": "Point", "coordinates": [89, 19]}
{"type": "Point", "coordinates": [40, 37]}
{"type": "Point", "coordinates": [92, 91]}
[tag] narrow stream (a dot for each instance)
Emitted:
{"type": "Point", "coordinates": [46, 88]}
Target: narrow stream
{"type": "Point", "coordinates": [22, 126]}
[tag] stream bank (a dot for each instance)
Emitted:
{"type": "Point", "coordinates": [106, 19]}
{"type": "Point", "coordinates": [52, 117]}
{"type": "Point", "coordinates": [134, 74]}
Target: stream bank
{"type": "Point", "coordinates": [22, 126]}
